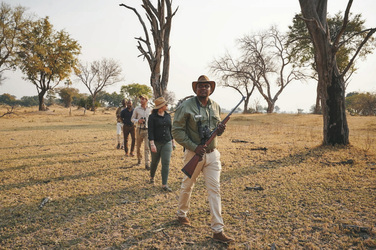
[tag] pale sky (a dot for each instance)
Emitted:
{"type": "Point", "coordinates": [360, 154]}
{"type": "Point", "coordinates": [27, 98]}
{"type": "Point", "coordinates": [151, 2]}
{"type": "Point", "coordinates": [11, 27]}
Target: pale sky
{"type": "Point", "coordinates": [201, 31]}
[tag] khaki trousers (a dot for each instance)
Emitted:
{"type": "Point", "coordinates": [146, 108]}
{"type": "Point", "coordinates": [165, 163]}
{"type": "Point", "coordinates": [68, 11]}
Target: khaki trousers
{"type": "Point", "coordinates": [211, 167]}
{"type": "Point", "coordinates": [142, 136]}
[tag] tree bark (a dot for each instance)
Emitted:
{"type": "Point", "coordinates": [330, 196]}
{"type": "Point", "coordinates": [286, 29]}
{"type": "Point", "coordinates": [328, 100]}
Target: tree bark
{"type": "Point", "coordinates": [160, 19]}
{"type": "Point", "coordinates": [42, 106]}
{"type": "Point", "coordinates": [331, 82]}
{"type": "Point", "coordinates": [336, 129]}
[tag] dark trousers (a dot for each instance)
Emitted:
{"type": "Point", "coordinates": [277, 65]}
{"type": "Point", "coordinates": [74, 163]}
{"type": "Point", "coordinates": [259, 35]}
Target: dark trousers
{"type": "Point", "coordinates": [126, 131]}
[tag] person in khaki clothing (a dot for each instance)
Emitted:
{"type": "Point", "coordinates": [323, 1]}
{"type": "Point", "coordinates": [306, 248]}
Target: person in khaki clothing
{"type": "Point", "coordinates": [194, 119]}
{"type": "Point", "coordinates": [140, 118]}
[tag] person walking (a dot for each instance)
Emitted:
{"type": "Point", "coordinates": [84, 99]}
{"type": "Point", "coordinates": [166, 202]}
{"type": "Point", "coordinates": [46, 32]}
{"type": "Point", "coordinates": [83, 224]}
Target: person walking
{"type": "Point", "coordinates": [119, 125]}
{"type": "Point", "coordinates": [194, 119]}
{"type": "Point", "coordinates": [161, 141]}
{"type": "Point", "coordinates": [128, 128]}
{"type": "Point", "coordinates": [140, 117]}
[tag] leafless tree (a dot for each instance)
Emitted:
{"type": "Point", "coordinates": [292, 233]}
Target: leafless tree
{"type": "Point", "coordinates": [160, 19]}
{"type": "Point", "coordinates": [229, 70]}
{"type": "Point", "coordinates": [264, 63]}
{"type": "Point", "coordinates": [331, 82]}
{"type": "Point", "coordinates": [99, 75]}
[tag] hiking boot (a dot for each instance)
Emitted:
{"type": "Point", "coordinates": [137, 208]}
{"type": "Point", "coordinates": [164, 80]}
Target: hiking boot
{"type": "Point", "coordinates": [139, 161]}
{"type": "Point", "coordinates": [147, 167]}
{"type": "Point", "coordinates": [222, 237]}
{"type": "Point", "coordinates": [118, 146]}
{"type": "Point", "coordinates": [184, 221]}
{"type": "Point", "coordinates": [132, 154]}
{"type": "Point", "coordinates": [166, 188]}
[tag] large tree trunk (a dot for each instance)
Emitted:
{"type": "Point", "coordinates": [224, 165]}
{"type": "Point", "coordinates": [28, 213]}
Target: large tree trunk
{"type": "Point", "coordinates": [160, 18]}
{"type": "Point", "coordinates": [42, 106]}
{"type": "Point", "coordinates": [331, 83]}
{"type": "Point", "coordinates": [270, 107]}
{"type": "Point", "coordinates": [336, 130]}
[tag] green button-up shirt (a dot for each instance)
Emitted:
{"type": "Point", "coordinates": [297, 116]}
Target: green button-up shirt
{"type": "Point", "coordinates": [184, 128]}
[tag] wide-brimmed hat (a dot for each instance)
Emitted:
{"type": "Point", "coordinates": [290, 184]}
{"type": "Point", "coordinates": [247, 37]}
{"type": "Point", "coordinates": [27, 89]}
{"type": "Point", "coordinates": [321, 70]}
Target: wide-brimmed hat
{"type": "Point", "coordinates": [144, 96]}
{"type": "Point", "coordinates": [203, 79]}
{"type": "Point", "coordinates": [159, 103]}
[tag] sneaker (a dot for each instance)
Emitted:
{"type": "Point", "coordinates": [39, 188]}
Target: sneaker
{"type": "Point", "coordinates": [131, 154]}
{"type": "Point", "coordinates": [222, 237]}
{"type": "Point", "coordinates": [118, 146]}
{"type": "Point", "coordinates": [166, 188]}
{"type": "Point", "coordinates": [126, 155]}
{"type": "Point", "coordinates": [184, 221]}
{"type": "Point", "coordinates": [139, 161]}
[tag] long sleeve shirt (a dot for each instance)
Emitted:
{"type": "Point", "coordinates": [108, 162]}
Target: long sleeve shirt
{"type": "Point", "coordinates": [126, 116]}
{"type": "Point", "coordinates": [138, 113]}
{"type": "Point", "coordinates": [159, 128]}
{"type": "Point", "coordinates": [187, 116]}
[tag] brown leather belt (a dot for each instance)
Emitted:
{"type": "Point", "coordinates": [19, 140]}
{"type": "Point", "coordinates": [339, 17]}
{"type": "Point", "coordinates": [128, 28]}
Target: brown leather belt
{"type": "Point", "coordinates": [208, 151]}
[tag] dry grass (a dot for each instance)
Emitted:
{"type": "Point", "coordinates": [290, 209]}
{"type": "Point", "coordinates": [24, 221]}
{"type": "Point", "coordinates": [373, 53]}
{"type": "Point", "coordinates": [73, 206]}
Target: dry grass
{"type": "Point", "coordinates": [314, 197]}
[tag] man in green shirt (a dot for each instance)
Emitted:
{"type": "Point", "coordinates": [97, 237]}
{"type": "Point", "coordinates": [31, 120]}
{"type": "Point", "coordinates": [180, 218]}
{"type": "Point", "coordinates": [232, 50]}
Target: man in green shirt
{"type": "Point", "coordinates": [194, 119]}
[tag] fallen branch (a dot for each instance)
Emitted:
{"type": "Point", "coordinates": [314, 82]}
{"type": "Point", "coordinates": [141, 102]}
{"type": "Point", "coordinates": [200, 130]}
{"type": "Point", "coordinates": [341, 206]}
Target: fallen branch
{"type": "Point", "coordinates": [239, 141]}
{"type": "Point", "coordinates": [44, 201]}
{"type": "Point", "coordinates": [260, 148]}
{"type": "Point", "coordinates": [257, 188]}
{"type": "Point", "coordinates": [355, 228]}
{"type": "Point", "coordinates": [9, 112]}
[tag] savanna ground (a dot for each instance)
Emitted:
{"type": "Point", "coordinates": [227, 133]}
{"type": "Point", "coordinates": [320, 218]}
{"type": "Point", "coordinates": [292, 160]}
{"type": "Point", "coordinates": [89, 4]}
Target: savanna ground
{"type": "Point", "coordinates": [313, 197]}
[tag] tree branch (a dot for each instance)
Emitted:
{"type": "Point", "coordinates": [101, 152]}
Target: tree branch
{"type": "Point", "coordinates": [358, 50]}
{"type": "Point", "coordinates": [344, 25]}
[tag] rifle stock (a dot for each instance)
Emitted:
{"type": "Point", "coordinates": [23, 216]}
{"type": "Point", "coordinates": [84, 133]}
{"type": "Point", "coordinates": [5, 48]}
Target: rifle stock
{"type": "Point", "coordinates": [190, 167]}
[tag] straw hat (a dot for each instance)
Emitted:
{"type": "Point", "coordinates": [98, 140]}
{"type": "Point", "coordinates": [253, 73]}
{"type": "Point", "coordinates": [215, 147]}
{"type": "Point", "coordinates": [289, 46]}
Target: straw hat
{"type": "Point", "coordinates": [159, 103]}
{"type": "Point", "coordinates": [144, 96]}
{"type": "Point", "coordinates": [203, 79]}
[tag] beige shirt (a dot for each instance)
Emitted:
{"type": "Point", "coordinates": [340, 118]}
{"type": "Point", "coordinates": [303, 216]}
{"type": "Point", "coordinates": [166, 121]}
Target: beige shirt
{"type": "Point", "coordinates": [138, 113]}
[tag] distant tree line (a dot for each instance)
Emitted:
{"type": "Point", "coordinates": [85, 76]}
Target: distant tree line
{"type": "Point", "coordinates": [68, 96]}
{"type": "Point", "coordinates": [361, 103]}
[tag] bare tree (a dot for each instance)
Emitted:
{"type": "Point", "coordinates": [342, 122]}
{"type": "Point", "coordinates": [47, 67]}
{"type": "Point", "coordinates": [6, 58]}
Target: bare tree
{"type": "Point", "coordinates": [160, 19]}
{"type": "Point", "coordinates": [228, 69]}
{"type": "Point", "coordinates": [99, 75]}
{"type": "Point", "coordinates": [264, 60]}
{"type": "Point", "coordinates": [331, 82]}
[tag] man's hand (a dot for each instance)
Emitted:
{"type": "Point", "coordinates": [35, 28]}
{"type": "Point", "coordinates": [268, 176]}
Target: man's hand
{"type": "Point", "coordinates": [201, 150]}
{"type": "Point", "coordinates": [220, 129]}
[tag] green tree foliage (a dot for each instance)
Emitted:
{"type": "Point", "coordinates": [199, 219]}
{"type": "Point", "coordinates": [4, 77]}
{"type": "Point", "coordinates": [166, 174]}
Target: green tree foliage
{"type": "Point", "coordinates": [134, 90]}
{"type": "Point", "coordinates": [29, 101]}
{"type": "Point", "coordinates": [8, 99]}
{"type": "Point", "coordinates": [361, 103]}
{"type": "Point", "coordinates": [12, 24]}
{"type": "Point", "coordinates": [300, 43]}
{"type": "Point", "coordinates": [82, 100]}
{"type": "Point", "coordinates": [47, 56]}
{"type": "Point", "coordinates": [67, 94]}
{"type": "Point", "coordinates": [111, 100]}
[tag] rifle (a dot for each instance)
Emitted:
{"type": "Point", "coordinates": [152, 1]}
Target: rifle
{"type": "Point", "coordinates": [190, 167]}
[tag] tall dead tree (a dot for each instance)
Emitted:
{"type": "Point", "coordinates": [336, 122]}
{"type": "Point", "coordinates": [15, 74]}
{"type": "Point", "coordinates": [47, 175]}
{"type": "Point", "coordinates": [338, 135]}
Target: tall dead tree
{"type": "Point", "coordinates": [331, 82]}
{"type": "Point", "coordinates": [160, 19]}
